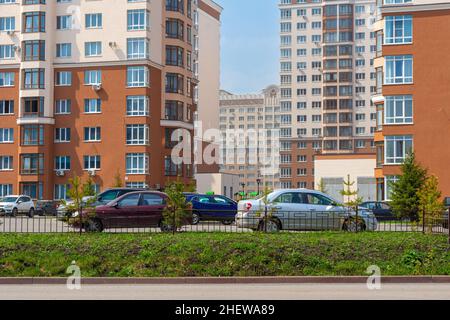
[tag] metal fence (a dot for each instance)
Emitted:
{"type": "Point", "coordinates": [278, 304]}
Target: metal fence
{"type": "Point", "coordinates": [219, 221]}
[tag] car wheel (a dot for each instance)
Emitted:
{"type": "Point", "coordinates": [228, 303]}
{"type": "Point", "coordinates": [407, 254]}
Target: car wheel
{"type": "Point", "coordinates": [14, 212]}
{"type": "Point", "coordinates": [195, 218]}
{"type": "Point", "coordinates": [41, 213]}
{"type": "Point", "coordinates": [227, 222]}
{"type": "Point", "coordinates": [31, 213]}
{"type": "Point", "coordinates": [269, 226]}
{"type": "Point", "coordinates": [165, 227]}
{"type": "Point", "coordinates": [350, 225]}
{"type": "Point", "coordinates": [93, 225]}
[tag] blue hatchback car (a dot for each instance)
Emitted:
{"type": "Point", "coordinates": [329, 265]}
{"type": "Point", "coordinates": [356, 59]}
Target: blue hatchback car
{"type": "Point", "coordinates": [212, 208]}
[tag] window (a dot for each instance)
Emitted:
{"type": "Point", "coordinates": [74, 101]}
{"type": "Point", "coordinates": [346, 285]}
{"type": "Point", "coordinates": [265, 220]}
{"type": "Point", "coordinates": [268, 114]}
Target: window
{"type": "Point", "coordinates": [62, 163]}
{"type": "Point", "coordinates": [63, 78]}
{"type": "Point", "coordinates": [6, 189]}
{"type": "Point", "coordinates": [93, 49]}
{"type": "Point", "coordinates": [33, 79]}
{"type": "Point", "coordinates": [33, 50]}
{"type": "Point", "coordinates": [174, 83]}
{"type": "Point", "coordinates": [397, 148]}
{"type": "Point", "coordinates": [64, 22]}
{"type": "Point", "coordinates": [63, 50]}
{"type": "Point", "coordinates": [93, 20]}
{"type": "Point", "coordinates": [6, 107]}
{"type": "Point", "coordinates": [137, 134]}
{"type": "Point", "coordinates": [92, 105]}
{"type": "Point", "coordinates": [389, 182]}
{"type": "Point", "coordinates": [6, 135]}
{"type": "Point", "coordinates": [170, 168]}
{"type": "Point", "coordinates": [7, 23]}
{"type": "Point", "coordinates": [137, 185]}
{"type": "Point", "coordinates": [398, 29]}
{"type": "Point", "coordinates": [175, 29]}
{"type": "Point", "coordinates": [61, 192]}
{"type": "Point", "coordinates": [137, 163]}
{"type": "Point", "coordinates": [399, 70]}
{"type": "Point", "coordinates": [6, 52]}
{"type": "Point", "coordinates": [6, 163]}
{"type": "Point", "coordinates": [137, 106]}
{"type": "Point", "coordinates": [173, 110]}
{"type": "Point", "coordinates": [6, 79]}
{"type": "Point", "coordinates": [92, 77]}
{"type": "Point", "coordinates": [137, 76]}
{"type": "Point", "coordinates": [33, 107]}
{"type": "Point", "coordinates": [32, 135]}
{"type": "Point", "coordinates": [174, 56]}
{"type": "Point", "coordinates": [137, 19]}
{"type": "Point", "coordinates": [33, 22]}
{"type": "Point", "coordinates": [91, 162]}
{"type": "Point", "coordinates": [137, 48]}
{"type": "Point", "coordinates": [63, 106]}
{"type": "Point", "coordinates": [92, 134]}
{"type": "Point", "coordinates": [32, 163]}
{"type": "Point", "coordinates": [398, 110]}
{"type": "Point", "coordinates": [62, 135]}
{"type": "Point", "coordinates": [131, 200]}
{"type": "Point", "coordinates": [175, 5]}
{"type": "Point", "coordinates": [32, 189]}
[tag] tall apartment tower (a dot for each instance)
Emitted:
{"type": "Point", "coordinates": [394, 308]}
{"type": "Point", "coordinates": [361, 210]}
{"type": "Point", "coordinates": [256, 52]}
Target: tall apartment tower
{"type": "Point", "coordinates": [95, 88]}
{"type": "Point", "coordinates": [253, 162]}
{"type": "Point", "coordinates": [327, 50]}
{"type": "Point", "coordinates": [412, 98]}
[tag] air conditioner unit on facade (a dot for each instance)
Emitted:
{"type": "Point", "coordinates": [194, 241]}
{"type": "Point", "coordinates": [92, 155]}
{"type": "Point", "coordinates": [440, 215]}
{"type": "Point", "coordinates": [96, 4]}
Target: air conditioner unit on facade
{"type": "Point", "coordinates": [113, 44]}
{"type": "Point", "coordinates": [60, 173]}
{"type": "Point", "coordinates": [97, 87]}
{"type": "Point", "coordinates": [10, 32]}
{"type": "Point", "coordinates": [16, 48]}
{"type": "Point", "coordinates": [92, 173]}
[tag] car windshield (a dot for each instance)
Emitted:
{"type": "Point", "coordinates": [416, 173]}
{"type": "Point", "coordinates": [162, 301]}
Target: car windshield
{"type": "Point", "coordinates": [8, 199]}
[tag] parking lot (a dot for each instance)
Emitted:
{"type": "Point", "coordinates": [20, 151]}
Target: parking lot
{"type": "Point", "coordinates": [50, 224]}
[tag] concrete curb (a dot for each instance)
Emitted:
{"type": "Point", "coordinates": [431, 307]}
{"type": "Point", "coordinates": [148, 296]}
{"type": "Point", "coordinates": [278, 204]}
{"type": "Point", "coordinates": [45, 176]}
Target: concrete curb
{"type": "Point", "coordinates": [227, 280]}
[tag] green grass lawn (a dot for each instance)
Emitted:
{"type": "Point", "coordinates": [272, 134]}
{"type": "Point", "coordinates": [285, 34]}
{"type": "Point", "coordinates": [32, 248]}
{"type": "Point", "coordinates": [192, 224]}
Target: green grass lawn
{"type": "Point", "coordinates": [221, 254]}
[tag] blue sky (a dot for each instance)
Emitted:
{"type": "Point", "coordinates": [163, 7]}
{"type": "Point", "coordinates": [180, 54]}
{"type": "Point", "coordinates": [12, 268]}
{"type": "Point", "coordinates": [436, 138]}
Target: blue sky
{"type": "Point", "coordinates": [250, 45]}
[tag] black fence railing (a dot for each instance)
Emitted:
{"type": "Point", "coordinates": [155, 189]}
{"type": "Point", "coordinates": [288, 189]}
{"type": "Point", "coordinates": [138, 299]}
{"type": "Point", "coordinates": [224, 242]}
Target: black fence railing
{"type": "Point", "coordinates": [217, 221]}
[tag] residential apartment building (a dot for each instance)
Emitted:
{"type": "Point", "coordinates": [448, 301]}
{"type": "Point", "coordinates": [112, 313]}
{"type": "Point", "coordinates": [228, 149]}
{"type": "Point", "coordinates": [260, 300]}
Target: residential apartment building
{"type": "Point", "coordinates": [412, 96]}
{"type": "Point", "coordinates": [95, 88]}
{"type": "Point", "coordinates": [253, 157]}
{"type": "Point", "coordinates": [327, 50]}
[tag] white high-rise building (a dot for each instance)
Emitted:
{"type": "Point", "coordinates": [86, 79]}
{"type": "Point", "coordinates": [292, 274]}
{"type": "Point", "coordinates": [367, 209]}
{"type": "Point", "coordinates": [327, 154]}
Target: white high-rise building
{"type": "Point", "coordinates": [326, 57]}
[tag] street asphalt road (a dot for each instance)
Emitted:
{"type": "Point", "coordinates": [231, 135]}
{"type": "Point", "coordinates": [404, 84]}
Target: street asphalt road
{"type": "Point", "coordinates": [436, 291]}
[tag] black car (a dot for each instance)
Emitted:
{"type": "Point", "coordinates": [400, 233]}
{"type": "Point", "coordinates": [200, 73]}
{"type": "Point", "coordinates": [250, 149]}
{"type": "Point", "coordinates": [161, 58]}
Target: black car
{"type": "Point", "coordinates": [112, 194]}
{"type": "Point", "coordinates": [445, 219]}
{"type": "Point", "coordinates": [45, 208]}
{"type": "Point", "coordinates": [101, 199]}
{"type": "Point", "coordinates": [381, 210]}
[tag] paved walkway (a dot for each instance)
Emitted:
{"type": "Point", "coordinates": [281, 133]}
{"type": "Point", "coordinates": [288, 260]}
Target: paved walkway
{"type": "Point", "coordinates": [304, 291]}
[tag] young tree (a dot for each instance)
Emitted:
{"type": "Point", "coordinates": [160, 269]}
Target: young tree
{"type": "Point", "coordinates": [178, 210]}
{"type": "Point", "coordinates": [429, 199]}
{"type": "Point", "coordinates": [88, 188]}
{"type": "Point", "coordinates": [117, 180]}
{"type": "Point", "coordinates": [267, 221]}
{"type": "Point", "coordinates": [321, 186]}
{"type": "Point", "coordinates": [404, 197]}
{"type": "Point", "coordinates": [76, 193]}
{"type": "Point", "coordinates": [353, 202]}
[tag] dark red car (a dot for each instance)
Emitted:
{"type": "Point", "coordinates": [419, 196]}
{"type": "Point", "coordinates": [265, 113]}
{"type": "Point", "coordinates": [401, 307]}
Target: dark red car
{"type": "Point", "coordinates": [141, 209]}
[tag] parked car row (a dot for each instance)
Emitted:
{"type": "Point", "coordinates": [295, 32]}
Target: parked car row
{"type": "Point", "coordinates": [286, 209]}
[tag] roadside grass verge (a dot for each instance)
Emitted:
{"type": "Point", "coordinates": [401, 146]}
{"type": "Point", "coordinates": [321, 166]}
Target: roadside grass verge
{"type": "Point", "coordinates": [222, 254]}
